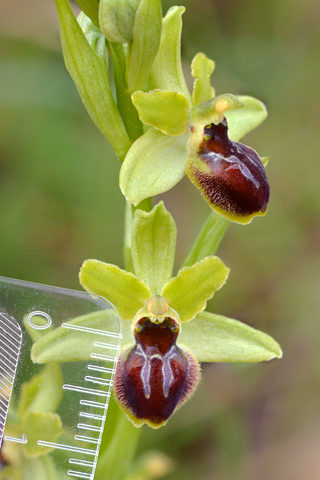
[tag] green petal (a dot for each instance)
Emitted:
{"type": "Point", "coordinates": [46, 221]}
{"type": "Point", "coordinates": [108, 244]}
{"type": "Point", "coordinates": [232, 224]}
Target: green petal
{"type": "Point", "coordinates": [145, 43]}
{"type": "Point", "coordinates": [167, 70]}
{"type": "Point", "coordinates": [188, 292]}
{"type": "Point", "coordinates": [71, 345]}
{"type": "Point", "coordinates": [154, 164]}
{"type": "Point", "coordinates": [89, 73]}
{"type": "Point", "coordinates": [43, 392]}
{"type": "Point", "coordinates": [164, 110]}
{"type": "Point", "coordinates": [47, 426]}
{"type": "Point", "coordinates": [117, 19]}
{"type": "Point", "coordinates": [214, 338]}
{"type": "Point", "coordinates": [123, 289]}
{"type": "Point", "coordinates": [208, 240]}
{"type": "Point", "coordinates": [201, 69]}
{"type": "Point", "coordinates": [153, 246]}
{"type": "Point", "coordinates": [245, 119]}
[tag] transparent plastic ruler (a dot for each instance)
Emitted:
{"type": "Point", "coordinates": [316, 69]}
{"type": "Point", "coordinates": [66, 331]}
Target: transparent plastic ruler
{"type": "Point", "coordinates": [75, 335]}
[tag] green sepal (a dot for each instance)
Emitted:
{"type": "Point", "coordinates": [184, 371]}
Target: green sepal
{"type": "Point", "coordinates": [66, 345]}
{"type": "Point", "coordinates": [123, 289]}
{"type": "Point", "coordinates": [127, 337]}
{"type": "Point", "coordinates": [44, 425]}
{"type": "Point", "coordinates": [117, 19]}
{"type": "Point", "coordinates": [167, 71]}
{"type": "Point", "coordinates": [201, 69]}
{"type": "Point", "coordinates": [89, 73]}
{"type": "Point", "coordinates": [188, 292]}
{"type": "Point", "coordinates": [214, 338]}
{"type": "Point", "coordinates": [91, 9]}
{"type": "Point", "coordinates": [208, 240]}
{"type": "Point", "coordinates": [145, 43]}
{"type": "Point", "coordinates": [153, 246]}
{"type": "Point", "coordinates": [154, 164]}
{"type": "Point", "coordinates": [245, 119]}
{"type": "Point", "coordinates": [164, 110]}
{"type": "Point", "coordinates": [43, 393]}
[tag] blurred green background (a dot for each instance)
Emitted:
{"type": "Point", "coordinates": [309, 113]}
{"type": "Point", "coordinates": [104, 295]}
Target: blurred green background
{"type": "Point", "coordinates": [60, 204]}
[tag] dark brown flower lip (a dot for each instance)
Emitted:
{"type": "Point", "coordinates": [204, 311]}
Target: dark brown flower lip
{"type": "Point", "coordinates": [230, 175]}
{"type": "Point", "coordinates": [160, 335]}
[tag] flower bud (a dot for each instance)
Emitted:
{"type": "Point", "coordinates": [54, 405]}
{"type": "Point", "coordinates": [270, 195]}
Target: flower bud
{"type": "Point", "coordinates": [117, 19]}
{"type": "Point", "coordinates": [230, 175]}
{"type": "Point", "coordinates": [154, 377]}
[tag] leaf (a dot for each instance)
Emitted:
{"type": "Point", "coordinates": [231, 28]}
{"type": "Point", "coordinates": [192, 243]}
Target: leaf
{"type": "Point", "coordinates": [39, 425]}
{"type": "Point", "coordinates": [153, 246]}
{"type": "Point", "coordinates": [123, 289]}
{"type": "Point", "coordinates": [214, 338]}
{"type": "Point", "coordinates": [89, 73]}
{"type": "Point", "coordinates": [70, 345]}
{"type": "Point", "coordinates": [167, 71]}
{"type": "Point", "coordinates": [188, 292]}
{"type": "Point", "coordinates": [145, 43]}
{"type": "Point", "coordinates": [164, 110]}
{"type": "Point", "coordinates": [43, 392]}
{"type": "Point", "coordinates": [201, 69]}
{"type": "Point", "coordinates": [154, 164]}
{"type": "Point", "coordinates": [245, 119]}
{"type": "Point", "coordinates": [208, 240]}
{"type": "Point", "coordinates": [117, 19]}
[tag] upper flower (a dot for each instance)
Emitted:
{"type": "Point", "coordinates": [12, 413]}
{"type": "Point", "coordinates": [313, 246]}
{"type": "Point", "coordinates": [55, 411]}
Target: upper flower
{"type": "Point", "coordinates": [165, 329]}
{"type": "Point", "coordinates": [177, 130]}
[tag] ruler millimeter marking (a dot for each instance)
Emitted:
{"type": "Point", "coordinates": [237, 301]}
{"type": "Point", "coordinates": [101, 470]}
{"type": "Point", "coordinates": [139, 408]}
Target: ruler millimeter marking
{"type": "Point", "coordinates": [87, 325]}
{"type": "Point", "coordinates": [10, 345]}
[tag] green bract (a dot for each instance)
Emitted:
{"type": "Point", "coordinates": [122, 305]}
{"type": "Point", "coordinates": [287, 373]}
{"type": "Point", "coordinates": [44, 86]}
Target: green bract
{"type": "Point", "coordinates": [117, 19]}
{"type": "Point", "coordinates": [88, 70]}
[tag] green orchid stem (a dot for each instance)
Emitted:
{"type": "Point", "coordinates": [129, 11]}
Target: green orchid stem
{"type": "Point", "coordinates": [208, 240]}
{"type": "Point", "coordinates": [115, 461]}
{"type": "Point", "coordinates": [145, 205]}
